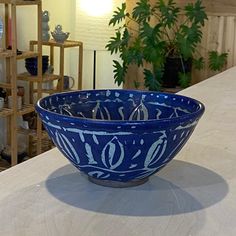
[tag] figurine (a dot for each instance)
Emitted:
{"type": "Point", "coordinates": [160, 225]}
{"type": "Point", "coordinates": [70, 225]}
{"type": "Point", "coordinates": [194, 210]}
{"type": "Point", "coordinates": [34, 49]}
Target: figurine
{"type": "Point", "coordinates": [45, 26]}
{"type": "Point", "coordinates": [58, 35]}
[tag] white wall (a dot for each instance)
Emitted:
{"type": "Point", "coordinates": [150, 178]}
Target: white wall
{"type": "Point", "coordinates": [64, 13]}
{"type": "Point", "coordinates": [91, 27]}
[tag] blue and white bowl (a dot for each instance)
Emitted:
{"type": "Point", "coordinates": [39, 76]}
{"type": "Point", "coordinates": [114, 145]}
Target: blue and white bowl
{"type": "Point", "coordinates": [119, 137]}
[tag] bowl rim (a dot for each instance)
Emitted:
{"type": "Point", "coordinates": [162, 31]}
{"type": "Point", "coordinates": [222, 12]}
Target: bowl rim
{"type": "Point", "coordinates": [150, 122]}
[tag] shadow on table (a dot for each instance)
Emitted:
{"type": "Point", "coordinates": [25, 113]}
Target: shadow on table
{"type": "Point", "coordinates": [180, 187]}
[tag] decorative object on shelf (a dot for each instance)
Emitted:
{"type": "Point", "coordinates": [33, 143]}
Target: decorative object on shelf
{"type": "Point", "coordinates": [1, 103]}
{"type": "Point", "coordinates": [3, 93]}
{"type": "Point", "coordinates": [21, 92]}
{"type": "Point", "coordinates": [31, 64]}
{"type": "Point", "coordinates": [1, 33]}
{"type": "Point", "coordinates": [18, 52]}
{"type": "Point", "coordinates": [6, 154]}
{"type": "Point", "coordinates": [69, 82]}
{"type": "Point", "coordinates": [45, 26]}
{"type": "Point", "coordinates": [10, 102]}
{"type": "Point", "coordinates": [31, 119]}
{"type": "Point", "coordinates": [119, 137]}
{"type": "Point", "coordinates": [58, 35]}
{"type": "Point", "coordinates": [50, 69]}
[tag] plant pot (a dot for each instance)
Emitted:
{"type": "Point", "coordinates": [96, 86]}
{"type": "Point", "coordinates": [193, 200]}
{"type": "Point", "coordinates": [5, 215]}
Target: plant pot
{"type": "Point", "coordinates": [172, 68]}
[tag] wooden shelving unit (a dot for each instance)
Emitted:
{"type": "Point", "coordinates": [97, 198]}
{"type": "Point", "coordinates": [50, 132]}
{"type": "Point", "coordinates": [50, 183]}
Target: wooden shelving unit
{"type": "Point", "coordinates": [38, 138]}
{"type": "Point", "coordinates": [62, 46]}
{"type": "Point", "coordinates": [10, 83]}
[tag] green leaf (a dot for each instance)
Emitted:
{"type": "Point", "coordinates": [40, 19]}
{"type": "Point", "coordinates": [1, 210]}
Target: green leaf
{"type": "Point", "coordinates": [193, 33]}
{"type": "Point", "coordinates": [186, 48]}
{"type": "Point", "coordinates": [119, 72]}
{"type": "Point", "coordinates": [152, 81]}
{"type": "Point", "coordinates": [184, 79]}
{"type": "Point", "coordinates": [153, 48]}
{"type": "Point", "coordinates": [125, 37]}
{"type": "Point", "coordinates": [119, 42]}
{"type": "Point", "coordinates": [134, 53]}
{"type": "Point", "coordinates": [150, 34]}
{"type": "Point", "coordinates": [196, 12]}
{"type": "Point", "coordinates": [155, 53]}
{"type": "Point", "coordinates": [216, 60]}
{"type": "Point", "coordinates": [198, 63]}
{"type": "Point", "coordinates": [169, 12]}
{"type": "Point", "coordinates": [142, 12]}
{"type": "Point", "coordinates": [119, 15]}
{"type": "Point", "coordinates": [115, 43]}
{"type": "Point", "coordinates": [187, 39]}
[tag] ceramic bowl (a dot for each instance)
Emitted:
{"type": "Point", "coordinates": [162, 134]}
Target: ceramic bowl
{"type": "Point", "coordinates": [31, 64]}
{"type": "Point", "coordinates": [33, 69]}
{"type": "Point", "coordinates": [119, 137]}
{"type": "Point", "coordinates": [60, 37]}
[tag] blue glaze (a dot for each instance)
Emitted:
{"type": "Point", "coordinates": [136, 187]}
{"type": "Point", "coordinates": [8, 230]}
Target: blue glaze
{"type": "Point", "coordinates": [119, 135]}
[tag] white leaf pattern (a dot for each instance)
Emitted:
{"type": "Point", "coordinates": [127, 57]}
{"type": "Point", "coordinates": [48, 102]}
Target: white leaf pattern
{"type": "Point", "coordinates": [96, 174]}
{"type": "Point", "coordinates": [97, 112]}
{"type": "Point", "coordinates": [91, 160]}
{"type": "Point", "coordinates": [68, 148]}
{"type": "Point", "coordinates": [139, 113]}
{"type": "Point", "coordinates": [136, 154]}
{"type": "Point", "coordinates": [113, 150]}
{"type": "Point", "coordinates": [157, 149]}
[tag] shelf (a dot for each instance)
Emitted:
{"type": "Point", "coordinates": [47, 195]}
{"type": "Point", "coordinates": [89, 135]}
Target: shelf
{"type": "Point", "coordinates": [21, 2]}
{"type": "Point", "coordinates": [27, 54]}
{"type": "Point", "coordinates": [49, 91]}
{"type": "Point", "coordinates": [5, 85]}
{"type": "Point", "coordinates": [6, 112]}
{"type": "Point", "coordinates": [66, 44]}
{"type": "Point", "coordinates": [46, 77]}
{"type": "Point", "coordinates": [32, 132]}
{"type": "Point", "coordinates": [9, 53]}
{"type": "Point", "coordinates": [6, 53]}
{"type": "Point", "coordinates": [25, 109]}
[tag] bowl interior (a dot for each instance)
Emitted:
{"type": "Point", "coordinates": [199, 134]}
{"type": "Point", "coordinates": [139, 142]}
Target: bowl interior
{"type": "Point", "coordinates": [120, 105]}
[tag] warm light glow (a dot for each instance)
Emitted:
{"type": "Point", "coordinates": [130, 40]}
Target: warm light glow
{"type": "Point", "coordinates": [96, 7]}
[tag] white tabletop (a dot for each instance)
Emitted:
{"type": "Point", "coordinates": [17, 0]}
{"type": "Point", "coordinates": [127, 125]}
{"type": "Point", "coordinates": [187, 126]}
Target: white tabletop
{"type": "Point", "coordinates": [194, 195]}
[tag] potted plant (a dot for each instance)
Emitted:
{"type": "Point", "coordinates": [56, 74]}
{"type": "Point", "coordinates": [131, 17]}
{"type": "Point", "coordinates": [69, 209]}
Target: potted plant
{"type": "Point", "coordinates": [153, 35]}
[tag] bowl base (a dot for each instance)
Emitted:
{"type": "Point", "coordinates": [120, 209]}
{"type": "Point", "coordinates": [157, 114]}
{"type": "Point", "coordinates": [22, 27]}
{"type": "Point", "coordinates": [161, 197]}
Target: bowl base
{"type": "Point", "coordinates": [117, 184]}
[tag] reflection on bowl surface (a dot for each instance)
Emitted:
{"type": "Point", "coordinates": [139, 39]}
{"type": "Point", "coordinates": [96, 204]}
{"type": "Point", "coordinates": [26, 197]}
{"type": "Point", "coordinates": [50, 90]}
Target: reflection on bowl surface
{"type": "Point", "coordinates": [119, 137]}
